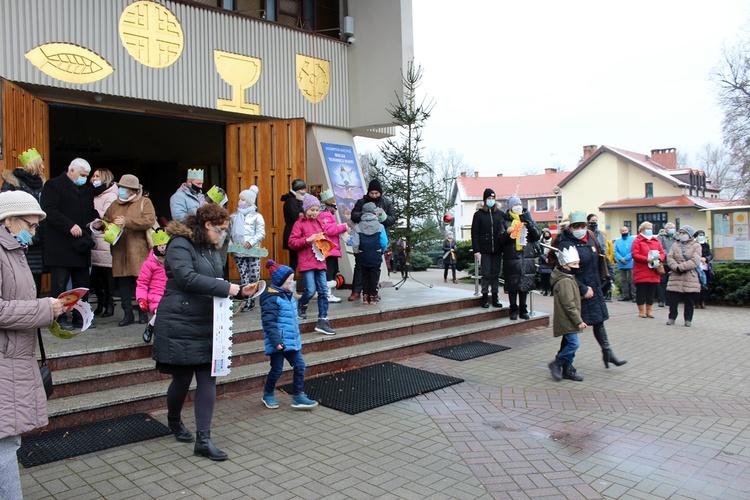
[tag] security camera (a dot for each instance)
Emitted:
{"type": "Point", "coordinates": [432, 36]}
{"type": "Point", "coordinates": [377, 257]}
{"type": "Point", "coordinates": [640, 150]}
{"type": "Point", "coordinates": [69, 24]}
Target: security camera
{"type": "Point", "coordinates": [351, 40]}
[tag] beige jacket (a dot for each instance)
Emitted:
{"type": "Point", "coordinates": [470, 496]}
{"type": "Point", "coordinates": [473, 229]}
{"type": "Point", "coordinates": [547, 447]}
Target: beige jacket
{"type": "Point", "coordinates": [131, 250]}
{"type": "Point", "coordinates": [683, 278]}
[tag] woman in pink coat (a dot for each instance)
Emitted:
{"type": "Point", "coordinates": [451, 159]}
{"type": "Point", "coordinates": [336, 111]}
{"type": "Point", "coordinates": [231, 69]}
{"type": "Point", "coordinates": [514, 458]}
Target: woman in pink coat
{"type": "Point", "coordinates": [327, 217]}
{"type": "Point", "coordinates": [311, 262]}
{"type": "Point", "coordinates": [647, 255]}
{"type": "Point", "coordinates": [152, 280]}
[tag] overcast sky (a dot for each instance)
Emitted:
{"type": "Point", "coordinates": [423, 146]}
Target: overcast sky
{"type": "Point", "coordinates": [520, 86]}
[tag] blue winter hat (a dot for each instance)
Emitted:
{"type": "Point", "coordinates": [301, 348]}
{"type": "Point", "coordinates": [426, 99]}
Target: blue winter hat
{"type": "Point", "coordinates": [279, 272]}
{"type": "Point", "coordinates": [513, 201]}
{"type": "Point", "coordinates": [687, 229]}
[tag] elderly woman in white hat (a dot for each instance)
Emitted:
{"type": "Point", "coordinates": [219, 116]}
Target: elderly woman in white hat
{"type": "Point", "coordinates": [23, 403]}
{"type": "Point", "coordinates": [134, 214]}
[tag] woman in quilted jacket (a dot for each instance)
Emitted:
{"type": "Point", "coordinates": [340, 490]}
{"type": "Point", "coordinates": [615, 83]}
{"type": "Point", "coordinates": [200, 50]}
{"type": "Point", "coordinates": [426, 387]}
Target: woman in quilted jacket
{"type": "Point", "coordinates": [23, 402]}
{"type": "Point", "coordinates": [683, 259]}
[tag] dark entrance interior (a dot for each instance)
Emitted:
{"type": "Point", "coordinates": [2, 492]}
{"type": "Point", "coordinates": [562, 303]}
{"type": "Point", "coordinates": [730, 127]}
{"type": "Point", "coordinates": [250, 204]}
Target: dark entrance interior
{"type": "Point", "coordinates": [156, 149]}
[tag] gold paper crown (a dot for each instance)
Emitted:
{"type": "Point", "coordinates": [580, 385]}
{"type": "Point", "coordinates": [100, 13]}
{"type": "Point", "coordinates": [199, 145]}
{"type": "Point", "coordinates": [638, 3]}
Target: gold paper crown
{"type": "Point", "coordinates": [217, 195]}
{"type": "Point", "coordinates": [28, 156]}
{"type": "Point", "coordinates": [195, 173]}
{"type": "Point", "coordinates": [160, 237]}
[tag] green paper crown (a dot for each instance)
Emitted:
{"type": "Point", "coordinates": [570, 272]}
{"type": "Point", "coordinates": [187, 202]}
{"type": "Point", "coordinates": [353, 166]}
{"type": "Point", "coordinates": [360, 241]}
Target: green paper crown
{"type": "Point", "coordinates": [160, 237]}
{"type": "Point", "coordinates": [28, 156]}
{"type": "Point", "coordinates": [217, 195]}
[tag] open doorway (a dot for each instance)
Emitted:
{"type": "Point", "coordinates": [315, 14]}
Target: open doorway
{"type": "Point", "coordinates": [156, 149]}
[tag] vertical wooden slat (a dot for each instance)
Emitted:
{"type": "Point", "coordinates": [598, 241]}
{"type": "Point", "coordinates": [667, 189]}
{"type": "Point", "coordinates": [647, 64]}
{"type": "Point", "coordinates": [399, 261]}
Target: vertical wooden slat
{"type": "Point", "coordinates": [25, 125]}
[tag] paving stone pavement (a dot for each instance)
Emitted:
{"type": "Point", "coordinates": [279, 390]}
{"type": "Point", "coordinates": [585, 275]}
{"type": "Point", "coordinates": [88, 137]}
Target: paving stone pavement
{"type": "Point", "coordinates": [672, 423]}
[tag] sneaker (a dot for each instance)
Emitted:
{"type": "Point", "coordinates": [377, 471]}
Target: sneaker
{"type": "Point", "coordinates": [332, 285]}
{"type": "Point", "coordinates": [301, 311]}
{"type": "Point", "coordinates": [374, 299]}
{"type": "Point", "coordinates": [688, 323]}
{"type": "Point", "coordinates": [354, 296]}
{"type": "Point", "coordinates": [270, 401]}
{"type": "Point", "coordinates": [333, 299]}
{"type": "Point", "coordinates": [249, 305]}
{"type": "Point", "coordinates": [302, 402]}
{"type": "Point", "coordinates": [670, 321]}
{"type": "Point", "coordinates": [324, 327]}
{"type": "Point", "coordinates": [555, 370]}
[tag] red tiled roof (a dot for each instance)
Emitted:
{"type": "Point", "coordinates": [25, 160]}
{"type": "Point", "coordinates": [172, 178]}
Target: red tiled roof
{"type": "Point", "coordinates": [669, 202]}
{"type": "Point", "coordinates": [524, 187]}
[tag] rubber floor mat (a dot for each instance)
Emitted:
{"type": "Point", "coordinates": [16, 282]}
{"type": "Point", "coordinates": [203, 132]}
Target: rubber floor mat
{"type": "Point", "coordinates": [363, 389]}
{"type": "Point", "coordinates": [46, 447]}
{"type": "Point", "coordinates": [469, 350]}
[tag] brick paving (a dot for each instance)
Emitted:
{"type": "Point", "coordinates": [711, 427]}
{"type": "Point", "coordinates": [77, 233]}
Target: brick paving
{"type": "Point", "coordinates": [672, 423]}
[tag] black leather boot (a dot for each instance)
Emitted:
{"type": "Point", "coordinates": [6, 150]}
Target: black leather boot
{"type": "Point", "coordinates": [128, 319]}
{"type": "Point", "coordinates": [600, 334]}
{"type": "Point", "coordinates": [513, 315]}
{"type": "Point", "coordinates": [496, 301]}
{"type": "Point", "coordinates": [109, 308]}
{"type": "Point", "coordinates": [142, 317]}
{"type": "Point", "coordinates": [204, 447]}
{"type": "Point", "coordinates": [100, 300]}
{"type": "Point", "coordinates": [569, 372]}
{"type": "Point", "coordinates": [179, 430]}
{"type": "Point", "coordinates": [148, 333]}
{"type": "Point", "coordinates": [485, 301]}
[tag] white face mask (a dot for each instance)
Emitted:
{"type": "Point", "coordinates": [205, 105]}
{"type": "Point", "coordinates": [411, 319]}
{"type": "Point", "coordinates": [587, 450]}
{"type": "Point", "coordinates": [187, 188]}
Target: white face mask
{"type": "Point", "coordinates": [701, 239]}
{"type": "Point", "coordinates": [684, 237]}
{"type": "Point", "coordinates": [517, 209]}
{"type": "Point", "coordinates": [96, 184]}
{"type": "Point", "coordinates": [579, 233]}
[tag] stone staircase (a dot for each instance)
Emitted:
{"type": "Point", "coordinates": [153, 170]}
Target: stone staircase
{"type": "Point", "coordinates": [109, 381]}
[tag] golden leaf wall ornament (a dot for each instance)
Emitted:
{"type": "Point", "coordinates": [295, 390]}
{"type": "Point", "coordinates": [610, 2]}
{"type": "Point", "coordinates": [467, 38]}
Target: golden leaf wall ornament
{"type": "Point", "coordinates": [151, 34]}
{"type": "Point", "coordinates": [313, 77]}
{"type": "Point", "coordinates": [69, 62]}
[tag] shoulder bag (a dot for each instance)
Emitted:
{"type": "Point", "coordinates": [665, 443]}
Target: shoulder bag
{"type": "Point", "coordinates": [43, 368]}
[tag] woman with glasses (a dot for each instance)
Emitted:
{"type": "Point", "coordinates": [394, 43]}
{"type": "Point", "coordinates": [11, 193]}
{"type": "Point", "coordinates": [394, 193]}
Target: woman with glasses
{"type": "Point", "coordinates": [184, 328]}
{"type": "Point", "coordinates": [23, 402]}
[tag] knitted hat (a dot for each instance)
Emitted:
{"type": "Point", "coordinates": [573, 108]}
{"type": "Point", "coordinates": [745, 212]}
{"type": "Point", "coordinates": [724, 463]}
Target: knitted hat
{"type": "Point", "coordinates": [308, 202]}
{"type": "Point", "coordinates": [368, 208]}
{"type": "Point", "coordinates": [487, 193]}
{"type": "Point", "coordinates": [279, 272]}
{"type": "Point", "coordinates": [250, 194]}
{"type": "Point", "coordinates": [129, 181]}
{"type": "Point", "coordinates": [577, 218]}
{"type": "Point", "coordinates": [327, 195]}
{"type": "Point", "coordinates": [688, 229]}
{"type": "Point", "coordinates": [298, 184]}
{"type": "Point", "coordinates": [375, 186]}
{"type": "Point", "coordinates": [513, 201]}
{"type": "Point", "coordinates": [19, 203]}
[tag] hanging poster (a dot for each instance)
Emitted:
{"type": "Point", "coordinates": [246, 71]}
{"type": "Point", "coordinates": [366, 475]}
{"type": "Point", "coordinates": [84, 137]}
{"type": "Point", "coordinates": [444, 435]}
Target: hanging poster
{"type": "Point", "coordinates": [346, 179]}
{"type": "Point", "coordinates": [721, 224]}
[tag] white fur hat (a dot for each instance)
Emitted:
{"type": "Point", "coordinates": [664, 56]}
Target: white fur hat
{"type": "Point", "coordinates": [250, 194]}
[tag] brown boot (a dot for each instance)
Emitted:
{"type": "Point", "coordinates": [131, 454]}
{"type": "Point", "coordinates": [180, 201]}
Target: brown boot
{"type": "Point", "coordinates": [642, 311]}
{"type": "Point", "coordinates": [649, 314]}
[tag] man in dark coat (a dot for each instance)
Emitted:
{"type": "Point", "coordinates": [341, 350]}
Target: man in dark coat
{"type": "Point", "coordinates": [374, 195]}
{"type": "Point", "coordinates": [292, 210]}
{"type": "Point", "coordinates": [486, 227]}
{"type": "Point", "coordinates": [68, 201]}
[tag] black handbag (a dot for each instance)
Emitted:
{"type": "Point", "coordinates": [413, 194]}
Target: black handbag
{"type": "Point", "coordinates": [43, 368]}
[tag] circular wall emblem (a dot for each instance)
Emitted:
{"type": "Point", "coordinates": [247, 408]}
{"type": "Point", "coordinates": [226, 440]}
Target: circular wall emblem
{"type": "Point", "coordinates": [151, 34]}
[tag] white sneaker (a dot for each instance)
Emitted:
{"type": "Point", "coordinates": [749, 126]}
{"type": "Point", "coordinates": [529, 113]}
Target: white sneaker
{"type": "Point", "coordinates": [333, 298]}
{"type": "Point", "coordinates": [332, 285]}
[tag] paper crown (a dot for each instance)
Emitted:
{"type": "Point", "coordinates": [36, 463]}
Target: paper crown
{"type": "Point", "coordinates": [195, 173]}
{"type": "Point", "coordinates": [568, 255]}
{"type": "Point", "coordinates": [326, 195]}
{"type": "Point", "coordinates": [160, 237]}
{"type": "Point", "coordinates": [28, 156]}
{"type": "Point", "coordinates": [217, 195]}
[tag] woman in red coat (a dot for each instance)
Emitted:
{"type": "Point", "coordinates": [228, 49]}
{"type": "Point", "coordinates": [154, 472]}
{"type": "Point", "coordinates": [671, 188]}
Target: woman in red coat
{"type": "Point", "coordinates": [647, 255]}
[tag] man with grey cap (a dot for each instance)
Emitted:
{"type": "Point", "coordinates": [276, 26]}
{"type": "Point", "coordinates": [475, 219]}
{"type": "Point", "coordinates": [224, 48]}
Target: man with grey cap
{"type": "Point", "coordinates": [68, 201]}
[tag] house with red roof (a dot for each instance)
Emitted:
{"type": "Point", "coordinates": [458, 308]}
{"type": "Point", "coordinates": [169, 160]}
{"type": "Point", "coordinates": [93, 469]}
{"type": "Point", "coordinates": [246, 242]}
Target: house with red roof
{"type": "Point", "coordinates": [625, 189]}
{"type": "Point", "coordinates": [536, 192]}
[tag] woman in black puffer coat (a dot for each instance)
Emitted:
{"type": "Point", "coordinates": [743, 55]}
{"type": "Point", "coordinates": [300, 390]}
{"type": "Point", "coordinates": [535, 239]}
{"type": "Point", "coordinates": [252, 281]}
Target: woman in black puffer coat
{"type": "Point", "coordinates": [519, 256]}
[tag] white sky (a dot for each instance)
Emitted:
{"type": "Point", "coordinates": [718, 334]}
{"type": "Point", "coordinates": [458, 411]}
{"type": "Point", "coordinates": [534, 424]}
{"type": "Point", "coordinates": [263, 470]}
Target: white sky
{"type": "Point", "coordinates": [523, 85]}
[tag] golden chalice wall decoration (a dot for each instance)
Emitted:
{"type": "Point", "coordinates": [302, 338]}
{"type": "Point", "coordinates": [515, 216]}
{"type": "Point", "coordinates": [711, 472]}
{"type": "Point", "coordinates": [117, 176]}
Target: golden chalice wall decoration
{"type": "Point", "coordinates": [241, 72]}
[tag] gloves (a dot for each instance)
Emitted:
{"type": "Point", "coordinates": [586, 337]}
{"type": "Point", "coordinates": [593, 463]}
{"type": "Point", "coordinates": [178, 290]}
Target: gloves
{"type": "Point", "coordinates": [143, 305]}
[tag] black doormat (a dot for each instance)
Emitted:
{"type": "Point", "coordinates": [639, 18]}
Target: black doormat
{"type": "Point", "coordinates": [469, 350]}
{"type": "Point", "coordinates": [363, 389]}
{"type": "Point", "coordinates": [60, 444]}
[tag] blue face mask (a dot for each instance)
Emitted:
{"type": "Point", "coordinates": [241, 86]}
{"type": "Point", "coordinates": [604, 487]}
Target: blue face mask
{"type": "Point", "coordinates": [80, 181]}
{"type": "Point", "coordinates": [490, 203]}
{"type": "Point", "coordinates": [670, 232]}
{"type": "Point", "coordinates": [122, 193]}
{"type": "Point", "coordinates": [648, 232]}
{"type": "Point", "coordinates": [24, 237]}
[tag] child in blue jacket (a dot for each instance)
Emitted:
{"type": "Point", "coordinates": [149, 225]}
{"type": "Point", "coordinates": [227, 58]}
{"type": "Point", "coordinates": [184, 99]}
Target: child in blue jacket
{"type": "Point", "coordinates": [278, 313]}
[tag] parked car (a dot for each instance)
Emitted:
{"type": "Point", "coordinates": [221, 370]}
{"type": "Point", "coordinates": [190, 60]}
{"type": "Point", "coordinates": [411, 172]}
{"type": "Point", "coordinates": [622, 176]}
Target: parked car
{"type": "Point", "coordinates": [436, 256]}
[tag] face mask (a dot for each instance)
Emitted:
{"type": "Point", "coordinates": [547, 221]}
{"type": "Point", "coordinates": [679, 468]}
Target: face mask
{"type": "Point", "coordinates": [517, 209]}
{"type": "Point", "coordinates": [670, 232]}
{"type": "Point", "coordinates": [701, 239]}
{"type": "Point", "coordinates": [579, 233]}
{"type": "Point", "coordinates": [648, 233]}
{"type": "Point", "coordinates": [221, 241]}
{"type": "Point", "coordinates": [593, 226]}
{"type": "Point", "coordinates": [490, 203]}
{"type": "Point", "coordinates": [684, 237]}
{"type": "Point", "coordinates": [24, 237]}
{"type": "Point", "coordinates": [625, 236]}
{"type": "Point", "coordinates": [96, 184]}
{"type": "Point", "coordinates": [242, 204]}
{"type": "Point", "coordinates": [573, 270]}
{"type": "Point", "coordinates": [80, 181]}
{"type": "Point", "coordinates": [122, 193]}
{"type": "Point", "coordinates": [195, 189]}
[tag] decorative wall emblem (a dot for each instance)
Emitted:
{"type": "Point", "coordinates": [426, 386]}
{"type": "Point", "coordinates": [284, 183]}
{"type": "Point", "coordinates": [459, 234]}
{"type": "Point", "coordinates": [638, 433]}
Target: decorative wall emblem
{"type": "Point", "coordinates": [151, 34]}
{"type": "Point", "coordinates": [313, 77]}
{"type": "Point", "coordinates": [241, 72]}
{"type": "Point", "coordinates": [69, 63]}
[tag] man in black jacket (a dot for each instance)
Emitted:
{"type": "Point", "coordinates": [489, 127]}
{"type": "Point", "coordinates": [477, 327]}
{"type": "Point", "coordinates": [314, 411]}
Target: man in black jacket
{"type": "Point", "coordinates": [374, 195]}
{"type": "Point", "coordinates": [68, 201]}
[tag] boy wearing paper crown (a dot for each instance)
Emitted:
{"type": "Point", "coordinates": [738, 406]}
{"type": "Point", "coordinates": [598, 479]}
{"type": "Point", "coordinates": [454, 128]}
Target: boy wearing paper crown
{"type": "Point", "coordinates": [247, 228]}
{"type": "Point", "coordinates": [369, 242]}
{"type": "Point", "coordinates": [188, 197]}
{"type": "Point", "coordinates": [152, 280]}
{"type": "Point", "coordinates": [327, 217]}
{"type": "Point", "coordinates": [567, 321]}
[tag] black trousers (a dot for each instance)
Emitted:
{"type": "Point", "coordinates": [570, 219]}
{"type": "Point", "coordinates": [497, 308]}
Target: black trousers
{"type": "Point", "coordinates": [645, 292]}
{"type": "Point", "coordinates": [370, 280]}
{"type": "Point", "coordinates": [126, 286]}
{"type": "Point", "coordinates": [673, 300]}
{"type": "Point", "coordinates": [59, 277]}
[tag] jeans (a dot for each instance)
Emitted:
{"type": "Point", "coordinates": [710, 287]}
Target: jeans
{"type": "Point", "coordinates": [490, 263]}
{"type": "Point", "coordinates": [568, 347]}
{"type": "Point", "coordinates": [277, 366]}
{"type": "Point", "coordinates": [627, 289]}
{"type": "Point", "coordinates": [315, 280]}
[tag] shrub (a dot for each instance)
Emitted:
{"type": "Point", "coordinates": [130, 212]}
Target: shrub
{"type": "Point", "coordinates": [419, 261]}
{"type": "Point", "coordinates": [464, 256]}
{"type": "Point", "coordinates": [731, 285]}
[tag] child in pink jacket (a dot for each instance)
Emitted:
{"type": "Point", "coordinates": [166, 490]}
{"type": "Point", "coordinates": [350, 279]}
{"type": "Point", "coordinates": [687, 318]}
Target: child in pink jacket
{"type": "Point", "coordinates": [152, 280]}
{"type": "Point", "coordinates": [327, 216]}
{"type": "Point", "coordinates": [311, 262]}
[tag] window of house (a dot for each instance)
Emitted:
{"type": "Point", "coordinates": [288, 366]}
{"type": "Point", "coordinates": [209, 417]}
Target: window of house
{"type": "Point", "coordinates": [314, 15]}
{"type": "Point", "coordinates": [541, 205]}
{"type": "Point", "coordinates": [628, 224]}
{"type": "Point", "coordinates": [649, 190]}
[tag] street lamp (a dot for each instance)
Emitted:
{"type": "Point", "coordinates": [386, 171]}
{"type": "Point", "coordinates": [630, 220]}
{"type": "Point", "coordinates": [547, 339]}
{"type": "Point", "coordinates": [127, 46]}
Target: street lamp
{"type": "Point", "coordinates": [558, 214]}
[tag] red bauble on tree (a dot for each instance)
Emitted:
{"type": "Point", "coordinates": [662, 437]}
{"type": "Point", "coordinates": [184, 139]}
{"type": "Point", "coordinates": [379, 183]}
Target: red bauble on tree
{"type": "Point", "coordinates": [447, 218]}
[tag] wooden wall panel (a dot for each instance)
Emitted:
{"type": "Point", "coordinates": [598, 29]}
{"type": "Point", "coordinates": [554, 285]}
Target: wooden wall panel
{"type": "Point", "coordinates": [270, 155]}
{"type": "Point", "coordinates": [25, 123]}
